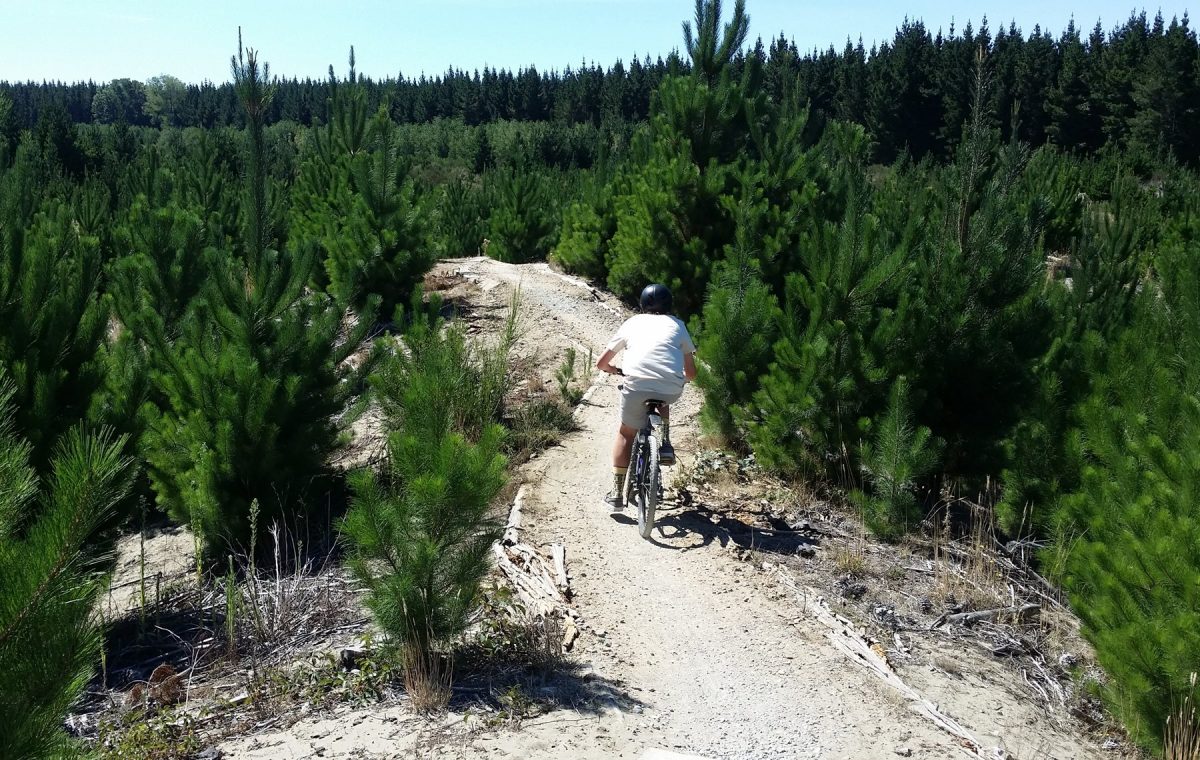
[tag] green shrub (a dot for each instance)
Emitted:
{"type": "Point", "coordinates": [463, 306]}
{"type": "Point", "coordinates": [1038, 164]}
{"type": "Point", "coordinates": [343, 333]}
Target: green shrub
{"type": "Point", "coordinates": [587, 229]}
{"type": "Point", "coordinates": [355, 199]}
{"type": "Point", "coordinates": [671, 226]}
{"type": "Point", "coordinates": [740, 327]}
{"type": "Point", "coordinates": [1090, 313]}
{"type": "Point", "coordinates": [566, 377]}
{"type": "Point", "coordinates": [443, 373]}
{"type": "Point", "coordinates": [420, 534]}
{"type": "Point", "coordinates": [841, 320]}
{"type": "Point", "coordinates": [461, 222]}
{"type": "Point", "coordinates": [52, 323]}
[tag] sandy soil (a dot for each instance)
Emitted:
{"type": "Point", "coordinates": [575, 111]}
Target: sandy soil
{"type": "Point", "coordinates": [684, 648]}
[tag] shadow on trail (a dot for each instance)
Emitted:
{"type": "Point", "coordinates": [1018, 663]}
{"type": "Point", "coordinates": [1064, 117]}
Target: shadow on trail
{"type": "Point", "coordinates": [565, 684]}
{"type": "Point", "coordinates": [694, 527]}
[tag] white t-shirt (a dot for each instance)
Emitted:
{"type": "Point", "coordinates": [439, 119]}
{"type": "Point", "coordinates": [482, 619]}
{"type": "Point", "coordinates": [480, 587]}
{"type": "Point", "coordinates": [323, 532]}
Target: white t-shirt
{"type": "Point", "coordinates": [654, 347]}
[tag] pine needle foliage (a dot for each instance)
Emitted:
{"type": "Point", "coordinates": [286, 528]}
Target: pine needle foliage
{"type": "Point", "coordinates": [443, 374]}
{"type": "Point", "coordinates": [421, 536]}
{"type": "Point", "coordinates": [740, 326]}
{"type": "Point", "coordinates": [710, 47]}
{"type": "Point", "coordinates": [521, 225]}
{"type": "Point", "coordinates": [164, 267]}
{"type": "Point", "coordinates": [1090, 313]}
{"type": "Point", "coordinates": [842, 316]}
{"type": "Point", "coordinates": [50, 580]}
{"type": "Point", "coordinates": [460, 219]}
{"type": "Point", "coordinates": [1127, 534]}
{"type": "Point", "coordinates": [52, 323]}
{"type": "Point", "coordinates": [667, 220]}
{"type": "Point", "coordinates": [985, 320]}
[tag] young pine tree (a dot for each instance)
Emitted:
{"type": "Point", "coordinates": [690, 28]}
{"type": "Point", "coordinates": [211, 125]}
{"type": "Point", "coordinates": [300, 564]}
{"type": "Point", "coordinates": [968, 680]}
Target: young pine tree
{"type": "Point", "coordinates": [588, 226]}
{"type": "Point", "coordinates": [522, 225]}
{"type": "Point", "coordinates": [49, 582]}
{"type": "Point", "coordinates": [460, 220]}
{"type": "Point", "coordinates": [251, 393]}
{"type": "Point", "coordinates": [982, 321]}
{"type": "Point", "coordinates": [669, 218]}
{"type": "Point", "coordinates": [1090, 313]}
{"type": "Point", "coordinates": [893, 465]}
{"type": "Point", "coordinates": [355, 200]}
{"type": "Point", "coordinates": [840, 341]}
{"type": "Point", "coordinates": [740, 326]}
{"type": "Point", "coordinates": [420, 534]}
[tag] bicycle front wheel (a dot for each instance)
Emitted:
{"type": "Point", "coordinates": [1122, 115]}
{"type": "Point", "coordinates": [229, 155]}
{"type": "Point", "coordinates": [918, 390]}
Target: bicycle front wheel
{"type": "Point", "coordinates": [648, 497]}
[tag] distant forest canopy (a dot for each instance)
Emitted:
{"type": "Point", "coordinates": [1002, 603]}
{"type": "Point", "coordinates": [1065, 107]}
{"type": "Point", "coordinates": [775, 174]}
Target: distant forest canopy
{"type": "Point", "coordinates": [1135, 87]}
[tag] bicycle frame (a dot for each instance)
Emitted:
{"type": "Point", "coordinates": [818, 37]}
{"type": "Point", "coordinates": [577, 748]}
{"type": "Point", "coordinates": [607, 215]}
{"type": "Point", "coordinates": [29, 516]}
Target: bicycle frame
{"type": "Point", "coordinates": [644, 482]}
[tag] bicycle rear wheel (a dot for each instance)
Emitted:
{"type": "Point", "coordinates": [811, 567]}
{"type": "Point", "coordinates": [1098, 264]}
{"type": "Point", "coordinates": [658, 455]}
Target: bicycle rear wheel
{"type": "Point", "coordinates": [648, 491]}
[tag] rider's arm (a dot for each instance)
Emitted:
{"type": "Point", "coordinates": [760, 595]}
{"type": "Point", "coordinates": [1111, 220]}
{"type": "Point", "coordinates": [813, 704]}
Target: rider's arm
{"type": "Point", "coordinates": [605, 363]}
{"type": "Point", "coordinates": [689, 366]}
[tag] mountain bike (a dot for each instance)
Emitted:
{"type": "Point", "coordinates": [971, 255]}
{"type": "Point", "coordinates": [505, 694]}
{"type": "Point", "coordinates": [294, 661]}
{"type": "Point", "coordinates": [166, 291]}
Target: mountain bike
{"type": "Point", "coordinates": [643, 484]}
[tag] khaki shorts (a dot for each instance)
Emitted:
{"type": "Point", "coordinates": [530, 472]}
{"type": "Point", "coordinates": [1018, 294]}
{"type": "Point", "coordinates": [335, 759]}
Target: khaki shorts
{"type": "Point", "coordinates": [633, 404]}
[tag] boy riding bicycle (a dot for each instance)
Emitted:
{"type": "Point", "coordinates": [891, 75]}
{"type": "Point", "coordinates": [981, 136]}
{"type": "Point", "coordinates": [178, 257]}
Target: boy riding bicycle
{"type": "Point", "coordinates": [659, 361]}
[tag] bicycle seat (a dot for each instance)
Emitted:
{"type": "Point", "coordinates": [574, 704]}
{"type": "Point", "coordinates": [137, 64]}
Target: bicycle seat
{"type": "Point", "coordinates": [653, 404]}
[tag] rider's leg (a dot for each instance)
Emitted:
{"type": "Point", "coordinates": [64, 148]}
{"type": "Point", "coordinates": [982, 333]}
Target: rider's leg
{"type": "Point", "coordinates": [622, 447]}
{"type": "Point", "coordinates": [666, 452]}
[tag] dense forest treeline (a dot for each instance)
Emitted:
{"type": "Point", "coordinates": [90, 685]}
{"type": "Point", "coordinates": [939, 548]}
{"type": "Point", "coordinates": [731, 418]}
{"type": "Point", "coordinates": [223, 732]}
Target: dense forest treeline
{"type": "Point", "coordinates": [956, 270]}
{"type": "Point", "coordinates": [1136, 85]}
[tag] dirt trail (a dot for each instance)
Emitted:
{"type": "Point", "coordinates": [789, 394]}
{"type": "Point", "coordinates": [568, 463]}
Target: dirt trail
{"type": "Point", "coordinates": [683, 648]}
{"type": "Point", "coordinates": [702, 660]}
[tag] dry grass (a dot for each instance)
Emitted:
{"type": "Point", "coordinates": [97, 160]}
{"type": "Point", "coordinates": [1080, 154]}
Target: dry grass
{"type": "Point", "coordinates": [851, 560]}
{"type": "Point", "coordinates": [427, 680]}
{"type": "Point", "coordinates": [948, 665]}
{"type": "Point", "coordinates": [1181, 737]}
{"type": "Point", "coordinates": [964, 570]}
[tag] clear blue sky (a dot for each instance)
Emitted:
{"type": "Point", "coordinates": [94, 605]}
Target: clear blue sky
{"type": "Point", "coordinates": [103, 39]}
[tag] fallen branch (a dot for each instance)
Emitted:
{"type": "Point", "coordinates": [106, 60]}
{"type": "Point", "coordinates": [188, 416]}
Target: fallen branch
{"type": "Point", "coordinates": [529, 591]}
{"type": "Point", "coordinates": [1022, 613]}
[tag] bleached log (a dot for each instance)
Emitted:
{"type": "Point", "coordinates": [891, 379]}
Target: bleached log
{"type": "Point", "coordinates": [535, 566]}
{"type": "Point", "coordinates": [532, 595]}
{"type": "Point", "coordinates": [559, 553]}
{"type": "Point", "coordinates": [512, 530]}
{"type": "Point", "coordinates": [570, 633]}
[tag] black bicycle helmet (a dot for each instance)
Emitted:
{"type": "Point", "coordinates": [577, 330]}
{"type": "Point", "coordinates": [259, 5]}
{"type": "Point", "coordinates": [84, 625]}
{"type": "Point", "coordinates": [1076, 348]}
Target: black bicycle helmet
{"type": "Point", "coordinates": [656, 299]}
